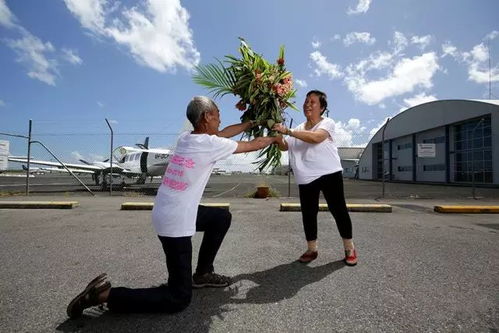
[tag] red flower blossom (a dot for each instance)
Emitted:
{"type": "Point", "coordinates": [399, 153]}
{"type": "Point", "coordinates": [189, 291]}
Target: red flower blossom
{"type": "Point", "coordinates": [280, 61]}
{"type": "Point", "coordinates": [241, 105]}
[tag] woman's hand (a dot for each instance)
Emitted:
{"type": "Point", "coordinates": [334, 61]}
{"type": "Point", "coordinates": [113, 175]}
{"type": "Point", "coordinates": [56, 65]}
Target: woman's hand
{"type": "Point", "coordinates": [281, 128]}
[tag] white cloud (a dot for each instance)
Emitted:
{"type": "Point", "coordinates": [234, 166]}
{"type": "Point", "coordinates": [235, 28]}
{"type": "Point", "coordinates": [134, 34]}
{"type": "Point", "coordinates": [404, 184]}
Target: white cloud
{"type": "Point", "coordinates": [383, 74]}
{"type": "Point", "coordinates": [375, 61]}
{"type": "Point", "coordinates": [96, 157]}
{"type": "Point", "coordinates": [478, 70]}
{"type": "Point", "coordinates": [362, 7]}
{"type": "Point", "coordinates": [477, 60]}
{"type": "Point", "coordinates": [71, 56]}
{"type": "Point", "coordinates": [316, 44]}
{"type": "Point", "coordinates": [359, 37]}
{"type": "Point", "coordinates": [350, 133]}
{"type": "Point", "coordinates": [90, 13]}
{"type": "Point", "coordinates": [336, 37]}
{"type": "Point", "coordinates": [301, 83]}
{"type": "Point", "coordinates": [7, 19]}
{"type": "Point", "coordinates": [376, 128]}
{"type": "Point", "coordinates": [399, 42]}
{"type": "Point", "coordinates": [158, 36]}
{"type": "Point", "coordinates": [92, 157]}
{"type": "Point", "coordinates": [33, 52]}
{"type": "Point", "coordinates": [100, 104]}
{"type": "Point", "coordinates": [449, 49]}
{"type": "Point", "coordinates": [492, 35]}
{"type": "Point", "coordinates": [421, 41]}
{"type": "Point", "coordinates": [407, 75]}
{"type": "Point", "coordinates": [76, 155]}
{"type": "Point", "coordinates": [38, 56]}
{"type": "Point", "coordinates": [417, 99]}
{"type": "Point", "coordinates": [324, 67]}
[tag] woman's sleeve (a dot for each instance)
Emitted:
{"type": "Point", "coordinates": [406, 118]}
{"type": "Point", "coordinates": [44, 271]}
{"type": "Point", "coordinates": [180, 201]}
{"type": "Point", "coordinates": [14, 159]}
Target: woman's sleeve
{"type": "Point", "coordinates": [328, 126]}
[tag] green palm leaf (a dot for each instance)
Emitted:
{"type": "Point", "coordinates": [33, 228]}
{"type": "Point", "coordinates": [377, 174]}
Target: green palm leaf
{"type": "Point", "coordinates": [218, 79]}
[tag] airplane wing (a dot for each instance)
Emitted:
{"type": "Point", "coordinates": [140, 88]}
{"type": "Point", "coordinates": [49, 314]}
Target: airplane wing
{"type": "Point", "coordinates": [92, 168]}
{"type": "Point", "coordinates": [64, 170]}
{"type": "Point", "coordinates": [78, 168]}
{"type": "Point", "coordinates": [58, 170]}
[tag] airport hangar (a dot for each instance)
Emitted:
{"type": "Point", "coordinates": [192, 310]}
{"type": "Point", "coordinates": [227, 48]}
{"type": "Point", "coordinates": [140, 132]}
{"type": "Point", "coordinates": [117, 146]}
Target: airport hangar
{"type": "Point", "coordinates": [445, 141]}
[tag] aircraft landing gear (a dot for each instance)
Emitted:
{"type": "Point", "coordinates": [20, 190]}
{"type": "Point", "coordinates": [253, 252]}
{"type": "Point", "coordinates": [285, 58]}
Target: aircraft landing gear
{"type": "Point", "coordinates": [141, 180]}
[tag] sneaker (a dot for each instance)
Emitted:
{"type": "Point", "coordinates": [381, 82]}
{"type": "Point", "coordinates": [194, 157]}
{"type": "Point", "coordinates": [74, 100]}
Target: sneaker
{"type": "Point", "coordinates": [308, 256]}
{"type": "Point", "coordinates": [88, 297]}
{"type": "Point", "coordinates": [210, 280]}
{"type": "Point", "coordinates": [351, 257]}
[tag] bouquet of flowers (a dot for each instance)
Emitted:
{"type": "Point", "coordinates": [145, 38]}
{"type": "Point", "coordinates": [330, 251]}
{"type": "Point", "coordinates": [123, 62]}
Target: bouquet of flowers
{"type": "Point", "coordinates": [264, 89]}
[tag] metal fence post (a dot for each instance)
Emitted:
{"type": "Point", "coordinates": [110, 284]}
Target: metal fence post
{"type": "Point", "coordinates": [111, 159]}
{"type": "Point", "coordinates": [289, 165]}
{"type": "Point", "coordinates": [29, 157]}
{"type": "Point", "coordinates": [383, 158]}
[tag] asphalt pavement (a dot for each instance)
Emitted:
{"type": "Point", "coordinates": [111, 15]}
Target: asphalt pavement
{"type": "Point", "coordinates": [418, 271]}
{"type": "Point", "coordinates": [243, 185]}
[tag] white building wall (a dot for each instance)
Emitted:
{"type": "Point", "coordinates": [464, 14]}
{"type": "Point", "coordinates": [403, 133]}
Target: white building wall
{"type": "Point", "coordinates": [429, 163]}
{"type": "Point", "coordinates": [402, 151]}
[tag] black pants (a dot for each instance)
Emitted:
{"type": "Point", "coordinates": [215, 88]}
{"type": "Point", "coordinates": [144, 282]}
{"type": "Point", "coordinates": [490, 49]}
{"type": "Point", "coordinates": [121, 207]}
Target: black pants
{"type": "Point", "coordinates": [332, 187]}
{"type": "Point", "coordinates": [176, 296]}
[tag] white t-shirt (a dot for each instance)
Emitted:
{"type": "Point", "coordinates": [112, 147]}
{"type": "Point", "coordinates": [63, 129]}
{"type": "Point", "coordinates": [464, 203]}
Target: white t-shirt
{"type": "Point", "coordinates": [189, 168]}
{"type": "Point", "coordinates": [313, 160]}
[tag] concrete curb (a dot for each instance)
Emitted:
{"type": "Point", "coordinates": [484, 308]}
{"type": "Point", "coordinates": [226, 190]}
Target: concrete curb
{"type": "Point", "coordinates": [368, 208]}
{"type": "Point", "coordinates": [150, 205]}
{"type": "Point", "coordinates": [467, 209]}
{"type": "Point", "coordinates": [38, 204]}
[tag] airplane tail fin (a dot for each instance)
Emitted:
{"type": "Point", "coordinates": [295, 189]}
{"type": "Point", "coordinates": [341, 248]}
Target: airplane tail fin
{"type": "Point", "coordinates": [144, 145]}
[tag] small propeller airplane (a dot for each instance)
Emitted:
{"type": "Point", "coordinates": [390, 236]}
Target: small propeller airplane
{"type": "Point", "coordinates": [140, 161]}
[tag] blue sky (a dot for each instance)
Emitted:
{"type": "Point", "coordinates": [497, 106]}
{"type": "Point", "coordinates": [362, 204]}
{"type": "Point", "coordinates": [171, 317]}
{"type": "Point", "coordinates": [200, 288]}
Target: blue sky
{"type": "Point", "coordinates": [68, 64]}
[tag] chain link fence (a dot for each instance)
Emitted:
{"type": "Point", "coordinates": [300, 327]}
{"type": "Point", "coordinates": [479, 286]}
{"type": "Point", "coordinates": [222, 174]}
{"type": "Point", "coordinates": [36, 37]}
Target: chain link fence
{"type": "Point", "coordinates": [89, 143]}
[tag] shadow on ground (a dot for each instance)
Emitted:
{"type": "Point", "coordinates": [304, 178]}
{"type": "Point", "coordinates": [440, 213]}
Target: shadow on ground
{"type": "Point", "coordinates": [269, 286]}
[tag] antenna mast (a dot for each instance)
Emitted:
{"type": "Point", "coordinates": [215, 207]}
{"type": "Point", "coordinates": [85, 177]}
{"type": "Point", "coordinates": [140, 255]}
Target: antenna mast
{"type": "Point", "coordinates": [490, 78]}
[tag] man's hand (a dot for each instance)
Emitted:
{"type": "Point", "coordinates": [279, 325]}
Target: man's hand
{"type": "Point", "coordinates": [255, 144]}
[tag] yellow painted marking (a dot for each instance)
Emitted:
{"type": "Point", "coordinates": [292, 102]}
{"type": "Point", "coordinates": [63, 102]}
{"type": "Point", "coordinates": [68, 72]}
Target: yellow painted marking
{"type": "Point", "coordinates": [375, 208]}
{"type": "Point", "coordinates": [467, 209]}
{"type": "Point", "coordinates": [39, 204]}
{"type": "Point", "coordinates": [150, 205]}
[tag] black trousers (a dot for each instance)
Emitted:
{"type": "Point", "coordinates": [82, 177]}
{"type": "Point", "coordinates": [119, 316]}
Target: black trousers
{"type": "Point", "coordinates": [332, 188]}
{"type": "Point", "coordinates": [176, 296]}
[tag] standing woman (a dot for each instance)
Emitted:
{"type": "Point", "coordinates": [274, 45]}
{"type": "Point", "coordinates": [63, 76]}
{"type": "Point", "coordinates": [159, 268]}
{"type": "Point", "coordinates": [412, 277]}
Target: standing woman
{"type": "Point", "coordinates": [317, 167]}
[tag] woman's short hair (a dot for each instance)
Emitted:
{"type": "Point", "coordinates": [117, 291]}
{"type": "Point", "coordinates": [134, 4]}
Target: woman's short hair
{"type": "Point", "coordinates": [322, 98]}
{"type": "Point", "coordinates": [198, 106]}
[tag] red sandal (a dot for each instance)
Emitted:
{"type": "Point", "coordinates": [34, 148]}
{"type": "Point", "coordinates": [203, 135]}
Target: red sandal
{"type": "Point", "coordinates": [308, 256]}
{"type": "Point", "coordinates": [351, 260]}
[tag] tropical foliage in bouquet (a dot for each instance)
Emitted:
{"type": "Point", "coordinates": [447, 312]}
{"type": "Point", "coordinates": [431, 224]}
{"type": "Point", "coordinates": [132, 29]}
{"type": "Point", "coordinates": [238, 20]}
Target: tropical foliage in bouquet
{"type": "Point", "coordinates": [265, 90]}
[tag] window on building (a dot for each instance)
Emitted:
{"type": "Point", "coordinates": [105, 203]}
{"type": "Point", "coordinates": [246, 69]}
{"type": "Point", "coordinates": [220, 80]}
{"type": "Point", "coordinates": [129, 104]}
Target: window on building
{"type": "Point", "coordinates": [439, 139]}
{"type": "Point", "coordinates": [473, 151]}
{"type": "Point", "coordinates": [405, 168]}
{"type": "Point", "coordinates": [434, 167]}
{"type": "Point", "coordinates": [404, 146]}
